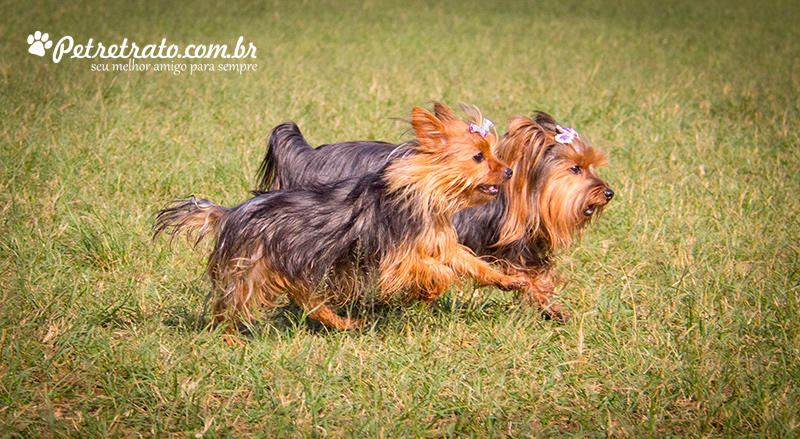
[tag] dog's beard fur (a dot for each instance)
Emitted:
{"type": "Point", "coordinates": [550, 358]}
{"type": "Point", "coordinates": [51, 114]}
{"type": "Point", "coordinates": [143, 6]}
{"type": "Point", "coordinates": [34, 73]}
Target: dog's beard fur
{"type": "Point", "coordinates": [322, 245]}
{"type": "Point", "coordinates": [552, 196]}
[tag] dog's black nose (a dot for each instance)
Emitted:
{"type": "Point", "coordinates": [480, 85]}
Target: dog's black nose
{"type": "Point", "coordinates": [509, 172]}
{"type": "Point", "coordinates": [609, 194]}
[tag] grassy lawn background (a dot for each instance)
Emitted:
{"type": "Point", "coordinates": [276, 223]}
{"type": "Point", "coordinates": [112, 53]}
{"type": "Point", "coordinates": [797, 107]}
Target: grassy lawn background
{"type": "Point", "coordinates": [686, 293]}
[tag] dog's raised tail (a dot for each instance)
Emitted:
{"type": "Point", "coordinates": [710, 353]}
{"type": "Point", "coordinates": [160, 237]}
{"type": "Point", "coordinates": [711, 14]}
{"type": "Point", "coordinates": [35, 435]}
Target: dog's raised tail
{"type": "Point", "coordinates": [285, 141]}
{"type": "Point", "coordinates": [198, 216]}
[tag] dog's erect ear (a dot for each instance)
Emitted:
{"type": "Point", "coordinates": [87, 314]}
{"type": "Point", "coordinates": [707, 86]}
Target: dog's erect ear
{"type": "Point", "coordinates": [443, 113]}
{"type": "Point", "coordinates": [546, 121]}
{"type": "Point", "coordinates": [427, 126]}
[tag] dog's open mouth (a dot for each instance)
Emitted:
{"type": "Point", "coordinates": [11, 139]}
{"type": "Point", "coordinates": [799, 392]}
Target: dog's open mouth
{"type": "Point", "coordinates": [589, 210]}
{"type": "Point", "coordinates": [489, 189]}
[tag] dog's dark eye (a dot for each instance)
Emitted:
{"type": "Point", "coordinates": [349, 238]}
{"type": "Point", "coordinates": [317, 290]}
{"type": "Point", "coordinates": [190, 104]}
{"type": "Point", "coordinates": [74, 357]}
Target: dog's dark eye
{"type": "Point", "coordinates": [576, 169]}
{"type": "Point", "coordinates": [478, 157]}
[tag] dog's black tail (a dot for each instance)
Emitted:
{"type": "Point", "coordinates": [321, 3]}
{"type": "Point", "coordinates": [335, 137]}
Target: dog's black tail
{"type": "Point", "coordinates": [284, 144]}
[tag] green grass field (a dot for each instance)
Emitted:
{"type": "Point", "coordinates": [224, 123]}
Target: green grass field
{"type": "Point", "coordinates": [686, 293]}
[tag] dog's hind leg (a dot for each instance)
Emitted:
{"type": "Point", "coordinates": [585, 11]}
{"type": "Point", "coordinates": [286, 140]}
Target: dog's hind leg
{"type": "Point", "coordinates": [237, 293]}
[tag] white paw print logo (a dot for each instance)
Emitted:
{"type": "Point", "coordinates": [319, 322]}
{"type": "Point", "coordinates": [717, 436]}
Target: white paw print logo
{"type": "Point", "coordinates": [39, 42]}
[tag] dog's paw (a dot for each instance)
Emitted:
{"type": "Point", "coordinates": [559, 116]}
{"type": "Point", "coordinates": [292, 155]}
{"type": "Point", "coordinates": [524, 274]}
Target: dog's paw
{"type": "Point", "coordinates": [551, 310]}
{"type": "Point", "coordinates": [233, 341]}
{"type": "Point", "coordinates": [554, 311]}
{"type": "Point", "coordinates": [354, 324]}
{"type": "Point", "coordinates": [514, 283]}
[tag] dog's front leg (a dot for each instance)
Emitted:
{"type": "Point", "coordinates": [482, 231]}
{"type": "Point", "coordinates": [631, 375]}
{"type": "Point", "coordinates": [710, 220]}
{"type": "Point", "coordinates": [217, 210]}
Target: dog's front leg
{"type": "Point", "coordinates": [466, 263]}
{"type": "Point", "coordinates": [539, 294]}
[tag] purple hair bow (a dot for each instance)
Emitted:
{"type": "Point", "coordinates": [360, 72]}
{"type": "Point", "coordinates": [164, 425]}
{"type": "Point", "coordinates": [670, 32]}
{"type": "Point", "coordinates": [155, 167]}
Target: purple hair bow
{"type": "Point", "coordinates": [483, 129]}
{"type": "Point", "coordinates": [566, 135]}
